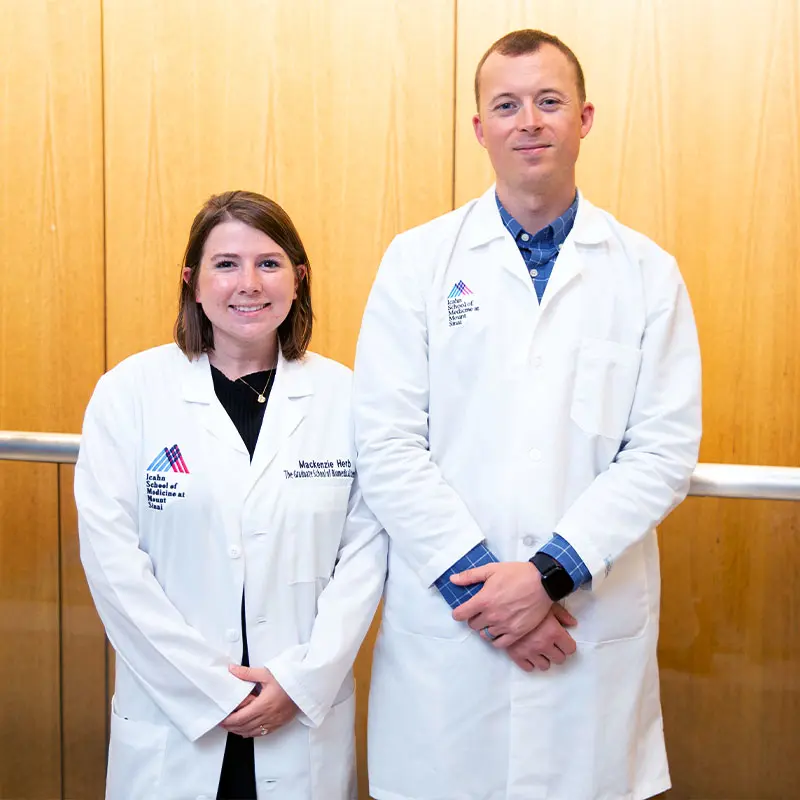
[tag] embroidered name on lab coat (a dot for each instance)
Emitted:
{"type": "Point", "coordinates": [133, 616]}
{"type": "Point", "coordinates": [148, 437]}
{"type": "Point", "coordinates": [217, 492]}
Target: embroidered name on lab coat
{"type": "Point", "coordinates": [334, 468]}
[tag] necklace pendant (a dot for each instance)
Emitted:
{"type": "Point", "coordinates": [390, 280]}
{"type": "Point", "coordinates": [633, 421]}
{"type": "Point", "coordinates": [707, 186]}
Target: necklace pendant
{"type": "Point", "coordinates": [262, 399]}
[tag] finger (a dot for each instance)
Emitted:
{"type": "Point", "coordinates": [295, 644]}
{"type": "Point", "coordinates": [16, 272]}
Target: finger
{"type": "Point", "coordinates": [505, 640]}
{"type": "Point", "coordinates": [474, 606]}
{"type": "Point", "coordinates": [474, 575]}
{"type": "Point", "coordinates": [246, 716]}
{"type": "Point", "coordinates": [522, 663]}
{"type": "Point", "coordinates": [564, 642]}
{"type": "Point", "coordinates": [252, 674]}
{"type": "Point", "coordinates": [555, 655]}
{"type": "Point", "coordinates": [540, 662]}
{"type": "Point", "coordinates": [563, 616]}
{"type": "Point", "coordinates": [481, 621]}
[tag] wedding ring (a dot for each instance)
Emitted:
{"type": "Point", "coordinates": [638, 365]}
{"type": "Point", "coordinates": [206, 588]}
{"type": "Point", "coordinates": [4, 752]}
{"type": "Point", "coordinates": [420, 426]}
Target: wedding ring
{"type": "Point", "coordinates": [485, 632]}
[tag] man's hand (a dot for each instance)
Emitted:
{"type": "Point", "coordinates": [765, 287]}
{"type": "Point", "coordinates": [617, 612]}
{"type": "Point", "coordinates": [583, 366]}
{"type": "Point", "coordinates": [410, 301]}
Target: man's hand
{"type": "Point", "coordinates": [548, 644]}
{"type": "Point", "coordinates": [256, 714]}
{"type": "Point", "coordinates": [511, 603]}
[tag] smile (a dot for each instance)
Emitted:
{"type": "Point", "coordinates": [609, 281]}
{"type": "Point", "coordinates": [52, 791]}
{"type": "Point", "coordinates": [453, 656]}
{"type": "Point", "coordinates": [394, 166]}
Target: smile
{"type": "Point", "coordinates": [249, 309]}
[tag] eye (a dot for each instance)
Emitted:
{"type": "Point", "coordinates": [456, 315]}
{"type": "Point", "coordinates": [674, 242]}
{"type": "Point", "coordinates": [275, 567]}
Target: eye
{"type": "Point", "coordinates": [224, 265]}
{"type": "Point", "coordinates": [549, 102]}
{"type": "Point", "coordinates": [506, 106]}
{"type": "Point", "coordinates": [269, 263]}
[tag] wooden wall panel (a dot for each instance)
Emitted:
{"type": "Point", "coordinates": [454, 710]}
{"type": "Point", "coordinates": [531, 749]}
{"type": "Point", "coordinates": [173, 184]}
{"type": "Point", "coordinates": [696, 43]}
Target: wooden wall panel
{"type": "Point", "coordinates": [342, 112]}
{"type": "Point", "coordinates": [30, 722]}
{"type": "Point", "coordinates": [695, 143]}
{"type": "Point", "coordinates": [51, 339]}
{"type": "Point", "coordinates": [84, 699]}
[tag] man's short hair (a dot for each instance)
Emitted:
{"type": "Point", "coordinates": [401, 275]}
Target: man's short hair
{"type": "Point", "coordinates": [524, 42]}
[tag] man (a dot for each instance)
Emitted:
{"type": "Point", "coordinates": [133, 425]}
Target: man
{"type": "Point", "coordinates": [527, 399]}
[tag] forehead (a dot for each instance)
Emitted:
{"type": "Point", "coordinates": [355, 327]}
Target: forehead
{"type": "Point", "coordinates": [235, 236]}
{"type": "Point", "coordinates": [547, 68]}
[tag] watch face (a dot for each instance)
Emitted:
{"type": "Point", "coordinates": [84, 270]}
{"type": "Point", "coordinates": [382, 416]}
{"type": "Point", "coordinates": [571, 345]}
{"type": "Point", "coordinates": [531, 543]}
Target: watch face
{"type": "Point", "coordinates": [558, 583]}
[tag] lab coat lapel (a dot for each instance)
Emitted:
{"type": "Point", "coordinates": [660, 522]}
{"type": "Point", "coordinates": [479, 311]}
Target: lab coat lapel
{"type": "Point", "coordinates": [198, 392]}
{"type": "Point", "coordinates": [485, 228]}
{"type": "Point", "coordinates": [590, 230]}
{"type": "Point", "coordinates": [288, 403]}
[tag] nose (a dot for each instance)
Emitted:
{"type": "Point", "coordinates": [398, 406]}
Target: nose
{"type": "Point", "coordinates": [248, 278]}
{"type": "Point", "coordinates": [529, 118]}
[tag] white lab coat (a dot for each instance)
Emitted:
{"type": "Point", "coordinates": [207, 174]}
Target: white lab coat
{"type": "Point", "coordinates": [167, 553]}
{"type": "Point", "coordinates": [481, 414]}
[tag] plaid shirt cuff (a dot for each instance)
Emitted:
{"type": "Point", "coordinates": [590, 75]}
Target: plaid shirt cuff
{"type": "Point", "coordinates": [566, 555]}
{"type": "Point", "coordinates": [456, 595]}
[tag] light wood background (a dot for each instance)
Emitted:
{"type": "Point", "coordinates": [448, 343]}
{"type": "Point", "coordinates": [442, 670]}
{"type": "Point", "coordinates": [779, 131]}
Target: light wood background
{"type": "Point", "coordinates": [117, 120]}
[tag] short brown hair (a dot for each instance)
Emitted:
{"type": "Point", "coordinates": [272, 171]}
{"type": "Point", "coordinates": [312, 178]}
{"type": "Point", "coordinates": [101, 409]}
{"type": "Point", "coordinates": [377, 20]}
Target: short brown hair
{"type": "Point", "coordinates": [193, 332]}
{"type": "Point", "coordinates": [523, 42]}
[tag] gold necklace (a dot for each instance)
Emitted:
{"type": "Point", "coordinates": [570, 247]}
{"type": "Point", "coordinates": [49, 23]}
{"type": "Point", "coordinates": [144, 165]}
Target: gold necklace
{"type": "Point", "coordinates": [262, 396]}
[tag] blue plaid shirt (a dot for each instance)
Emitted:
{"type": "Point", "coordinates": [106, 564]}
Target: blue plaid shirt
{"type": "Point", "coordinates": [539, 252]}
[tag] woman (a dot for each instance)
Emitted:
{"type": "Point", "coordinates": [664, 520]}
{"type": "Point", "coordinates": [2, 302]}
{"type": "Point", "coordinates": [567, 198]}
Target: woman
{"type": "Point", "coordinates": [221, 524]}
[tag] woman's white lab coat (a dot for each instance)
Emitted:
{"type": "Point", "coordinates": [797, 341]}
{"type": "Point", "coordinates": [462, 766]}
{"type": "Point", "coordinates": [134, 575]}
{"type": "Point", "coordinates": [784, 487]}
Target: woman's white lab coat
{"type": "Point", "coordinates": [167, 550]}
{"type": "Point", "coordinates": [481, 413]}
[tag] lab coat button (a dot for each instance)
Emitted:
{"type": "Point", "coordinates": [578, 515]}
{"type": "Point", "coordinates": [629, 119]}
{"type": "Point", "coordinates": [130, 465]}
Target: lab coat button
{"type": "Point", "coordinates": [537, 361]}
{"type": "Point", "coordinates": [232, 635]}
{"type": "Point", "coordinates": [234, 551]}
{"type": "Point", "coordinates": [529, 541]}
{"type": "Point", "coordinates": [535, 455]}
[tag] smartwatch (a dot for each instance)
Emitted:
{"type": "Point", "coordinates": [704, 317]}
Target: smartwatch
{"type": "Point", "coordinates": [555, 579]}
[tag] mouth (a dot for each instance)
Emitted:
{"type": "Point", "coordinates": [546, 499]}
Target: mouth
{"type": "Point", "coordinates": [531, 148]}
{"type": "Point", "coordinates": [249, 310]}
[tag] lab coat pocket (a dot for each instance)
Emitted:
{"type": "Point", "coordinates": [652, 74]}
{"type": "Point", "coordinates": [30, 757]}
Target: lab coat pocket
{"type": "Point", "coordinates": [619, 609]}
{"type": "Point", "coordinates": [333, 754]}
{"type": "Point", "coordinates": [135, 758]}
{"type": "Point", "coordinates": [319, 509]}
{"type": "Point", "coordinates": [605, 381]}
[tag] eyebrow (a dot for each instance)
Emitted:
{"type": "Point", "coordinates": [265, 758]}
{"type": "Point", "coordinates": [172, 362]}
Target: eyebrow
{"type": "Point", "coordinates": [513, 95]}
{"type": "Point", "coordinates": [236, 255]}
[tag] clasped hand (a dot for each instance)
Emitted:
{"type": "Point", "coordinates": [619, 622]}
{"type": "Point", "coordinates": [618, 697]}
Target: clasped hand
{"type": "Point", "coordinates": [518, 615]}
{"type": "Point", "coordinates": [264, 710]}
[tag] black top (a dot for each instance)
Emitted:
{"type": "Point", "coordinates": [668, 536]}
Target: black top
{"type": "Point", "coordinates": [241, 402]}
{"type": "Point", "coordinates": [237, 779]}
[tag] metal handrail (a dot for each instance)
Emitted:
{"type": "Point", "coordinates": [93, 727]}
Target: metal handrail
{"type": "Point", "coordinates": [59, 448]}
{"type": "Point", "coordinates": [709, 480]}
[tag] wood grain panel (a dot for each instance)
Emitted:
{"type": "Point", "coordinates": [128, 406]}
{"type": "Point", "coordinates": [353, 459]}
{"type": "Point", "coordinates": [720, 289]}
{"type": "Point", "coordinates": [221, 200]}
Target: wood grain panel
{"type": "Point", "coordinates": [84, 702]}
{"type": "Point", "coordinates": [341, 111]}
{"type": "Point", "coordinates": [51, 335]}
{"type": "Point", "coordinates": [695, 144]}
{"type": "Point", "coordinates": [30, 719]}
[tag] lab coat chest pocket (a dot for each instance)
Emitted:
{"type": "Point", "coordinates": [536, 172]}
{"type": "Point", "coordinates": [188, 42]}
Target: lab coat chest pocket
{"type": "Point", "coordinates": [318, 512]}
{"type": "Point", "coordinates": [605, 381]}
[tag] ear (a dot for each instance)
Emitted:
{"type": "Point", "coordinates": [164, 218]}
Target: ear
{"type": "Point", "coordinates": [587, 118]}
{"type": "Point", "coordinates": [477, 126]}
{"type": "Point", "coordinates": [301, 271]}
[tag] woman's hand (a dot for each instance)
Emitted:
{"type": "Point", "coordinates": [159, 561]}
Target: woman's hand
{"type": "Point", "coordinates": [263, 712]}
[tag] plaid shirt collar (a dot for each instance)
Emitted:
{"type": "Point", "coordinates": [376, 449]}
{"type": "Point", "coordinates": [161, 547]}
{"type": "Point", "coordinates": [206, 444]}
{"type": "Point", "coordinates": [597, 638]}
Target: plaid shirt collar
{"type": "Point", "coordinates": [552, 235]}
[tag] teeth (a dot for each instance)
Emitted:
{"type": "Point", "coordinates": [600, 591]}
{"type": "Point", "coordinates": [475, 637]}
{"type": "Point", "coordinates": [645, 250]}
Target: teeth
{"type": "Point", "coordinates": [250, 308]}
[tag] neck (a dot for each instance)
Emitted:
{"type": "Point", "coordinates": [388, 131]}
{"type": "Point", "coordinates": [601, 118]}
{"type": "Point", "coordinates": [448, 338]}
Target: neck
{"type": "Point", "coordinates": [535, 208]}
{"type": "Point", "coordinates": [234, 359]}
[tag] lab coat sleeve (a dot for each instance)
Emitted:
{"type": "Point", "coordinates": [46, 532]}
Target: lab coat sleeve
{"type": "Point", "coordinates": [312, 674]}
{"type": "Point", "coordinates": [184, 675]}
{"type": "Point", "coordinates": [429, 525]}
{"type": "Point", "coordinates": [651, 473]}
